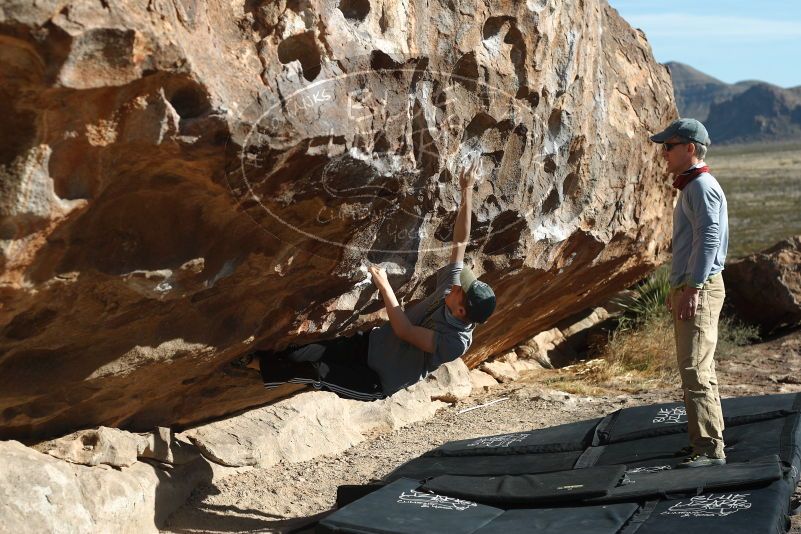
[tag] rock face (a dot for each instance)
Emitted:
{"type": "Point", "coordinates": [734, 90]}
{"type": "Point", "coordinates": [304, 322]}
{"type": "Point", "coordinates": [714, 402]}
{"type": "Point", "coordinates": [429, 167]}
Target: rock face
{"type": "Point", "coordinates": [39, 493]}
{"type": "Point", "coordinates": [765, 288]}
{"type": "Point", "coordinates": [118, 448]}
{"type": "Point", "coordinates": [98, 446]}
{"type": "Point", "coordinates": [481, 380]}
{"type": "Point", "coordinates": [182, 181]}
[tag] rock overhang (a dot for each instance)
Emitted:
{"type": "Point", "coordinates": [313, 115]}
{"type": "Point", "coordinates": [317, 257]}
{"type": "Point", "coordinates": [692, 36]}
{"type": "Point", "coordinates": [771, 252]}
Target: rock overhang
{"type": "Point", "coordinates": [180, 226]}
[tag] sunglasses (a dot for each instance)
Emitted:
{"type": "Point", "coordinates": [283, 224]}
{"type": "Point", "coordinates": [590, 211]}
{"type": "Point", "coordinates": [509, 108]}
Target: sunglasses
{"type": "Point", "coordinates": [667, 147]}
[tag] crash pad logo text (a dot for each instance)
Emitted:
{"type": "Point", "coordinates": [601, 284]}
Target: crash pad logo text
{"type": "Point", "coordinates": [671, 415]}
{"type": "Point", "coordinates": [498, 441]}
{"type": "Point", "coordinates": [652, 469]}
{"type": "Point", "coordinates": [710, 505]}
{"type": "Point", "coordinates": [432, 500]}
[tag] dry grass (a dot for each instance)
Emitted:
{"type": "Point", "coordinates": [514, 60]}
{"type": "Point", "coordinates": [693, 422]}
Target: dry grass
{"type": "Point", "coordinates": [647, 352]}
{"type": "Point", "coordinates": [640, 353]}
{"type": "Point", "coordinates": [637, 359]}
{"type": "Point", "coordinates": [733, 335]}
{"type": "Point", "coordinates": [632, 360]}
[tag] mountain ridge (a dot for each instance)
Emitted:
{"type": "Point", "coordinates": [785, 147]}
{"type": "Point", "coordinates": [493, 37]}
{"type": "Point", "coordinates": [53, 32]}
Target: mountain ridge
{"type": "Point", "coordinates": [746, 111]}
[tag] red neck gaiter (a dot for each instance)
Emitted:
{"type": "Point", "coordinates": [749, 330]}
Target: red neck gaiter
{"type": "Point", "coordinates": [688, 176]}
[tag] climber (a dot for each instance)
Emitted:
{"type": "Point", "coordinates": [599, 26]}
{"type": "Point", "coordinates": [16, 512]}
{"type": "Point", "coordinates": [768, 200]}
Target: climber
{"type": "Point", "coordinates": [374, 364]}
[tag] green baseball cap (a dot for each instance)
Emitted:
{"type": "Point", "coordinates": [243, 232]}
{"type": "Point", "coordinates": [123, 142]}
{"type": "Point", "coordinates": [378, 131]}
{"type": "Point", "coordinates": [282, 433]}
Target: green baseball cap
{"type": "Point", "coordinates": [480, 299]}
{"type": "Point", "coordinates": [689, 129]}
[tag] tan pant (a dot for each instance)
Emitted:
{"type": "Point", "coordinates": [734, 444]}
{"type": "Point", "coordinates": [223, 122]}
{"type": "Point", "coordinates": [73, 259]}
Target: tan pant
{"type": "Point", "coordinates": [696, 339]}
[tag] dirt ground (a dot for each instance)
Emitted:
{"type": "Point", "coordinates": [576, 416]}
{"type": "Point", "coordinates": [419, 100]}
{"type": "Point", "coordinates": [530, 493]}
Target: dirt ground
{"type": "Point", "coordinates": [283, 497]}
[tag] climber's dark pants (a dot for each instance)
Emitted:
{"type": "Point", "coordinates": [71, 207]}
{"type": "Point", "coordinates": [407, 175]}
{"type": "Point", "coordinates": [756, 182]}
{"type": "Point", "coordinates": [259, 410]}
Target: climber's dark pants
{"type": "Point", "coordinates": [338, 365]}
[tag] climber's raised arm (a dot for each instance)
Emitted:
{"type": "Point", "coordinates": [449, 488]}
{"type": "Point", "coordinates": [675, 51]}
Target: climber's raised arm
{"type": "Point", "coordinates": [461, 229]}
{"type": "Point", "coordinates": [418, 336]}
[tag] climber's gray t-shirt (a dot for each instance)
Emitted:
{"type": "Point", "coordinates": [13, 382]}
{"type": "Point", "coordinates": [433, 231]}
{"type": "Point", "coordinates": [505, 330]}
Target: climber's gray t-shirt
{"type": "Point", "coordinates": [400, 364]}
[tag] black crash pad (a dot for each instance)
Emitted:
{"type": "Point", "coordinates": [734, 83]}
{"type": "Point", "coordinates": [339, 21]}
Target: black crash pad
{"type": "Point", "coordinates": [562, 438]}
{"type": "Point", "coordinates": [622, 469]}
{"type": "Point", "coordinates": [562, 486]}
{"type": "Point", "coordinates": [400, 507]}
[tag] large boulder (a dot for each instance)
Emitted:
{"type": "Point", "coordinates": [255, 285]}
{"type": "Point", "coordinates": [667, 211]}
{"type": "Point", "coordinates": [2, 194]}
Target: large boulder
{"type": "Point", "coordinates": [765, 288]}
{"type": "Point", "coordinates": [39, 493]}
{"type": "Point", "coordinates": [183, 181]}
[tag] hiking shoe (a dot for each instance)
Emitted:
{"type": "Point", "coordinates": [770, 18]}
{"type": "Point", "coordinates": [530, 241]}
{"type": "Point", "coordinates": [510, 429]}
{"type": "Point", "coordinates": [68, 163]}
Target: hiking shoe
{"type": "Point", "coordinates": [701, 460]}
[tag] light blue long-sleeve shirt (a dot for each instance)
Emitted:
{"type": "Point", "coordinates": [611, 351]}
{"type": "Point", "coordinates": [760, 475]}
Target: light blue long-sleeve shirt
{"type": "Point", "coordinates": [700, 232]}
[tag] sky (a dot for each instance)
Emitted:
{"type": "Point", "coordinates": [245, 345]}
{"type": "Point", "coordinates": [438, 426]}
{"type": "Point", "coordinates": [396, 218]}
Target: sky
{"type": "Point", "coordinates": [732, 40]}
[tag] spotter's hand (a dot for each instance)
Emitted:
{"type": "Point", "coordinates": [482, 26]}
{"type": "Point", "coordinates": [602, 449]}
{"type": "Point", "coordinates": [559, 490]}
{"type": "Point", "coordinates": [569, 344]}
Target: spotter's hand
{"type": "Point", "coordinates": [687, 305]}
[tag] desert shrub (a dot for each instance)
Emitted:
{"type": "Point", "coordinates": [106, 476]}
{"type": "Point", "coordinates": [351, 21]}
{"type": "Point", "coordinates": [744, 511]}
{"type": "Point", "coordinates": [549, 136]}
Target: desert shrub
{"type": "Point", "coordinates": [733, 334]}
{"type": "Point", "coordinates": [642, 345]}
{"type": "Point", "coordinates": [641, 350]}
{"type": "Point", "coordinates": [647, 349]}
{"type": "Point", "coordinates": [646, 302]}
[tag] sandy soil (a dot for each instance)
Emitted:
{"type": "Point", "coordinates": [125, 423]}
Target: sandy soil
{"type": "Point", "coordinates": [279, 499]}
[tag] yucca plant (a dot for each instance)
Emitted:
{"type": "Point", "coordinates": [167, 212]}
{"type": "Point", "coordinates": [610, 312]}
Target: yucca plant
{"type": "Point", "coordinates": [647, 302]}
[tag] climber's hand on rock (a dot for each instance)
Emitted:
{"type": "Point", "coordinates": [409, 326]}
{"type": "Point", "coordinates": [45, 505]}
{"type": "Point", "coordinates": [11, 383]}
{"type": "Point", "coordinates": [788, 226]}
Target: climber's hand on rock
{"type": "Point", "coordinates": [379, 276]}
{"type": "Point", "coordinates": [467, 176]}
